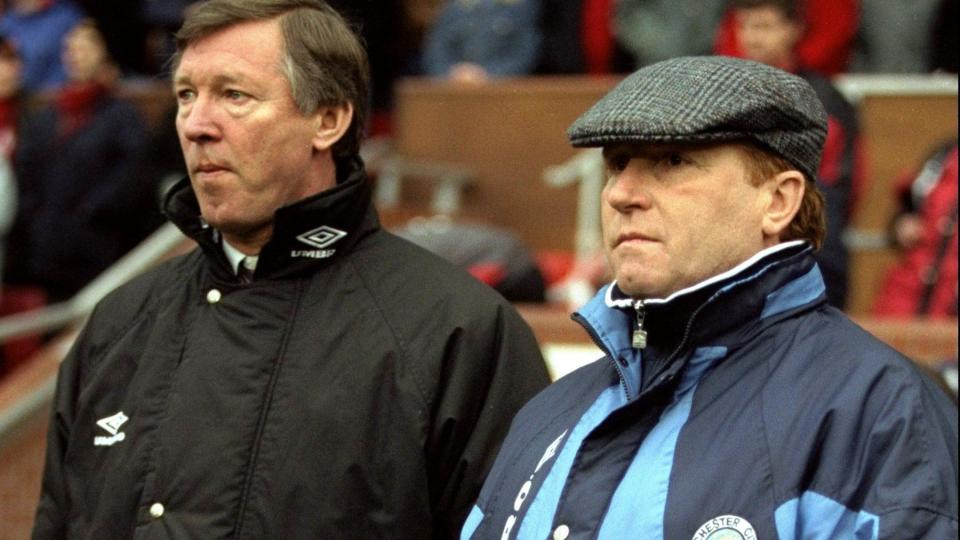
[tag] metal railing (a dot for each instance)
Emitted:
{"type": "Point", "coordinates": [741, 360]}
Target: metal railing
{"type": "Point", "coordinates": [57, 316]}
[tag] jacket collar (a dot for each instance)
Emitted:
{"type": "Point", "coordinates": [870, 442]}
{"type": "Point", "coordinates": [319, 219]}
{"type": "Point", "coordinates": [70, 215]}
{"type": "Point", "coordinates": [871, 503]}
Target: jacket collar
{"type": "Point", "coordinates": [724, 310]}
{"type": "Point", "coordinates": [307, 234]}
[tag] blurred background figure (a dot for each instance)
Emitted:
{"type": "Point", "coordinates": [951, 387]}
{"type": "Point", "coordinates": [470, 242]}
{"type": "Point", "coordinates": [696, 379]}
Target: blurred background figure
{"type": "Point", "coordinates": [124, 29]}
{"type": "Point", "coordinates": [578, 38]}
{"type": "Point", "coordinates": [37, 29]}
{"type": "Point", "coordinates": [944, 47]}
{"type": "Point", "coordinates": [894, 36]}
{"type": "Point", "coordinates": [655, 30]}
{"type": "Point", "coordinates": [12, 299]}
{"type": "Point", "coordinates": [81, 205]}
{"type": "Point", "coordinates": [826, 30]}
{"type": "Point", "coordinates": [923, 283]}
{"type": "Point", "coordinates": [11, 96]}
{"type": "Point", "coordinates": [162, 18]}
{"type": "Point", "coordinates": [10, 72]}
{"type": "Point", "coordinates": [8, 208]}
{"type": "Point", "coordinates": [770, 31]}
{"type": "Point", "coordinates": [390, 46]}
{"type": "Point", "coordinates": [474, 40]}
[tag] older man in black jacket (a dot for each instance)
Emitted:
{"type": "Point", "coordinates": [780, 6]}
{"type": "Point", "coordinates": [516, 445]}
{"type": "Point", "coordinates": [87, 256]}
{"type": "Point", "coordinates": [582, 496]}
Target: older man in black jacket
{"type": "Point", "coordinates": [303, 374]}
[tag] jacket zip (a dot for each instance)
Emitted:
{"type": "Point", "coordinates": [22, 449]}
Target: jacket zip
{"type": "Point", "coordinates": [639, 338]}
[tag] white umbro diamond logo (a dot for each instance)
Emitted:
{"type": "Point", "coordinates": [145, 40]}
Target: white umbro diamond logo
{"type": "Point", "coordinates": [112, 425]}
{"type": "Point", "coordinates": [321, 237]}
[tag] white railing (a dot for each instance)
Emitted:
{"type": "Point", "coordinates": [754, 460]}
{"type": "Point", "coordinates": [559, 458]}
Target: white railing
{"type": "Point", "coordinates": [57, 316]}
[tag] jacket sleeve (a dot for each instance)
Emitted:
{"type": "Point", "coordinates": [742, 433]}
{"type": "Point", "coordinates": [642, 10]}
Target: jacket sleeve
{"type": "Point", "coordinates": [918, 477]}
{"type": "Point", "coordinates": [883, 463]}
{"type": "Point", "coordinates": [53, 509]}
{"type": "Point", "coordinates": [490, 372]}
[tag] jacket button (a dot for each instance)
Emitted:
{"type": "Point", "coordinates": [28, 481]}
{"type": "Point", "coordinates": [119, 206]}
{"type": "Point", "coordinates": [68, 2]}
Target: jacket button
{"type": "Point", "coordinates": [561, 532]}
{"type": "Point", "coordinates": [156, 510]}
{"type": "Point", "coordinates": [213, 296]}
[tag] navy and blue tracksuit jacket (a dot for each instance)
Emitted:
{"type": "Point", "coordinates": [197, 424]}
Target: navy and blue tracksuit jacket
{"type": "Point", "coordinates": [754, 411]}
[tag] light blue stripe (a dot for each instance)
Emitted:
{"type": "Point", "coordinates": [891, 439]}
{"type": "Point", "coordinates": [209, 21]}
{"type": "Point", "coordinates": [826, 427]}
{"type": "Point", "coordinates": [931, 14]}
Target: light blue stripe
{"type": "Point", "coordinates": [539, 518]}
{"type": "Point", "coordinates": [798, 292]}
{"type": "Point", "coordinates": [815, 517]}
{"type": "Point", "coordinates": [640, 501]}
{"type": "Point", "coordinates": [473, 521]}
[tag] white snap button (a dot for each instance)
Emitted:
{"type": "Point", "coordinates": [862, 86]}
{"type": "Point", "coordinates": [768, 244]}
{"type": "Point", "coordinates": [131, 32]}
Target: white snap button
{"type": "Point", "coordinates": [156, 510]}
{"type": "Point", "coordinates": [214, 296]}
{"type": "Point", "coordinates": [561, 532]}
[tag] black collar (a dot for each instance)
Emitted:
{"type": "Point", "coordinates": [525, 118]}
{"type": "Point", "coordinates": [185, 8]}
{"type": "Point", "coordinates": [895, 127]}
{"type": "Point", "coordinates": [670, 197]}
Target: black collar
{"type": "Point", "coordinates": [307, 234]}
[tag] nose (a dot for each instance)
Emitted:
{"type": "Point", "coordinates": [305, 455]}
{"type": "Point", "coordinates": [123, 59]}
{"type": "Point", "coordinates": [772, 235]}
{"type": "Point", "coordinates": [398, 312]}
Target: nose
{"type": "Point", "coordinates": [627, 190]}
{"type": "Point", "coordinates": [197, 121]}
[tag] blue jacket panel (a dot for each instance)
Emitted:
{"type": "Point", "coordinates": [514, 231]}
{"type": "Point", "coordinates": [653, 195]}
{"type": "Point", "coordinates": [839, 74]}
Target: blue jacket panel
{"type": "Point", "coordinates": [755, 410]}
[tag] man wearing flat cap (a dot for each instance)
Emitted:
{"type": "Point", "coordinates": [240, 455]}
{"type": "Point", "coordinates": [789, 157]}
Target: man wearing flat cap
{"type": "Point", "coordinates": [733, 402]}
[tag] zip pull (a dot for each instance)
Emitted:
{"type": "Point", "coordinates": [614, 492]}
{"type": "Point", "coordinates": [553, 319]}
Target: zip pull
{"type": "Point", "coordinates": [639, 340]}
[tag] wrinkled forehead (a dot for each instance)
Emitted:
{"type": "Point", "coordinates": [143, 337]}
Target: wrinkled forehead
{"type": "Point", "coordinates": [258, 42]}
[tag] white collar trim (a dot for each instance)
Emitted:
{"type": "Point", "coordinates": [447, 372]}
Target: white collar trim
{"type": "Point", "coordinates": [629, 302]}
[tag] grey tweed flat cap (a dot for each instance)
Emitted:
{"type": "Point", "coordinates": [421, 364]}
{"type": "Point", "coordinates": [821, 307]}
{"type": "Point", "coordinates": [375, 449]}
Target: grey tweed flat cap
{"type": "Point", "coordinates": [710, 98]}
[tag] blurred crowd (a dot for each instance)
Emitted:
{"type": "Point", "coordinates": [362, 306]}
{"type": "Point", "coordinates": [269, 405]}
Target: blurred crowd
{"type": "Point", "coordinates": [81, 170]}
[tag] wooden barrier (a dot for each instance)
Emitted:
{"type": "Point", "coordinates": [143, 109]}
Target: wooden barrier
{"type": "Point", "coordinates": [507, 132]}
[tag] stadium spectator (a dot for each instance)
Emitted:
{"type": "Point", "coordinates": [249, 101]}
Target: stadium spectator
{"type": "Point", "coordinates": [894, 36]}
{"type": "Point", "coordinates": [578, 38]}
{"type": "Point", "coordinates": [11, 96]}
{"type": "Point", "coordinates": [923, 283]}
{"type": "Point", "coordinates": [944, 45]}
{"type": "Point", "coordinates": [75, 163]}
{"type": "Point", "coordinates": [37, 28]}
{"type": "Point", "coordinates": [770, 31]}
{"type": "Point", "coordinates": [826, 31]}
{"type": "Point", "coordinates": [475, 40]}
{"type": "Point", "coordinates": [10, 73]}
{"type": "Point", "coordinates": [655, 30]}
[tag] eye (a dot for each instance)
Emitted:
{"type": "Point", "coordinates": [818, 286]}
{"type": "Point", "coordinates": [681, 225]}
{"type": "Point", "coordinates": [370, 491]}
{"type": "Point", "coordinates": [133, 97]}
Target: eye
{"type": "Point", "coordinates": [235, 95]}
{"type": "Point", "coordinates": [185, 94]}
{"type": "Point", "coordinates": [616, 163]}
{"type": "Point", "coordinates": [674, 159]}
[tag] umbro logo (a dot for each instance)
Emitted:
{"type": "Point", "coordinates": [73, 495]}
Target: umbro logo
{"type": "Point", "coordinates": [112, 426]}
{"type": "Point", "coordinates": [321, 237]}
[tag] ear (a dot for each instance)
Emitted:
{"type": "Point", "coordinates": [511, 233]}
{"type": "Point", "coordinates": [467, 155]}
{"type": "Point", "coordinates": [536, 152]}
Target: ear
{"type": "Point", "coordinates": [331, 123]}
{"type": "Point", "coordinates": [785, 192]}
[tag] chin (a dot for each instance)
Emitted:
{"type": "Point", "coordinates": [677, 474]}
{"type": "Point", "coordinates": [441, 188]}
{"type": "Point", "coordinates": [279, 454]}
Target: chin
{"type": "Point", "coordinates": [635, 288]}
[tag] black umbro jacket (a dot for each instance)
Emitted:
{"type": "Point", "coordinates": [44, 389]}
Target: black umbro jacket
{"type": "Point", "coordinates": [358, 388]}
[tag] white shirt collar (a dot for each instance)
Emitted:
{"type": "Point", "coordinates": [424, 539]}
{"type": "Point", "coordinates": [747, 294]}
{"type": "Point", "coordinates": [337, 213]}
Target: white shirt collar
{"type": "Point", "coordinates": [235, 256]}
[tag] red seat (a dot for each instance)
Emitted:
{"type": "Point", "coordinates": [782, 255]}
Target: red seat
{"type": "Point", "coordinates": [17, 299]}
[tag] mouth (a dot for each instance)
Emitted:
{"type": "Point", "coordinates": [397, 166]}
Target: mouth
{"type": "Point", "coordinates": [207, 168]}
{"type": "Point", "coordinates": [633, 238]}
